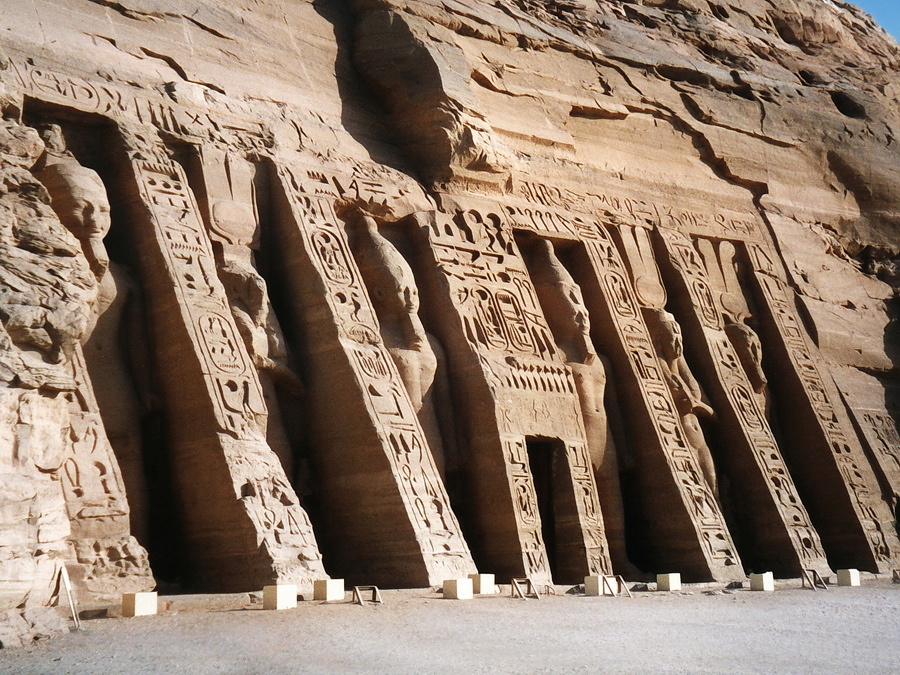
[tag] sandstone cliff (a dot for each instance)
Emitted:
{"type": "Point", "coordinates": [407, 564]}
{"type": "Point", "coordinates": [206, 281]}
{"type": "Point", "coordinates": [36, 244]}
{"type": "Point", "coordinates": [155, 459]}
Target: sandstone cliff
{"type": "Point", "coordinates": [398, 289]}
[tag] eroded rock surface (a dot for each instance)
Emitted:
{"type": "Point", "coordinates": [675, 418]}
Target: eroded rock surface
{"type": "Point", "coordinates": [396, 291]}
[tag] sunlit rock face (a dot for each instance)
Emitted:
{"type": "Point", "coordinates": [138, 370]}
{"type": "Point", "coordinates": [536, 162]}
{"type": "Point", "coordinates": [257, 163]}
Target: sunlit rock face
{"type": "Point", "coordinates": [398, 291]}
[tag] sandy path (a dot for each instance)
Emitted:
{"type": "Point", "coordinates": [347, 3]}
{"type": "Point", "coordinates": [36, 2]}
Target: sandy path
{"type": "Point", "coordinates": [852, 630]}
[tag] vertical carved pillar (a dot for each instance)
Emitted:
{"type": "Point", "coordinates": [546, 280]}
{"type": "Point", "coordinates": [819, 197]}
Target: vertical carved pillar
{"type": "Point", "coordinates": [381, 491]}
{"type": "Point", "coordinates": [780, 534]}
{"type": "Point", "coordinates": [243, 522]}
{"type": "Point", "coordinates": [687, 530]}
{"type": "Point", "coordinates": [832, 473]}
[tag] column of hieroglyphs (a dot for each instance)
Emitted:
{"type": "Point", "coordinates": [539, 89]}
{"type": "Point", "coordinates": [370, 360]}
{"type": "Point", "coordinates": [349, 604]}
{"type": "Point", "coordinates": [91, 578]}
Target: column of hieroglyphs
{"type": "Point", "coordinates": [835, 479]}
{"type": "Point", "coordinates": [381, 487]}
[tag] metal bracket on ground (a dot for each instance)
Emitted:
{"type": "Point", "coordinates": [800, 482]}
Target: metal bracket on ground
{"type": "Point", "coordinates": [524, 588]}
{"type": "Point", "coordinates": [374, 598]}
{"type": "Point", "coordinates": [813, 579]}
{"type": "Point", "coordinates": [606, 584]}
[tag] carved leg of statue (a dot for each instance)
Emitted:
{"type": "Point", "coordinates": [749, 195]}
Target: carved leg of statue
{"type": "Point", "coordinates": [606, 472]}
{"type": "Point", "coordinates": [276, 436]}
{"type": "Point", "coordinates": [418, 370]}
{"type": "Point", "coordinates": [429, 421]}
{"type": "Point", "coordinates": [701, 451]}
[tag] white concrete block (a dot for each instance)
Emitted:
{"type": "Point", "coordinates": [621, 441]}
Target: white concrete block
{"type": "Point", "coordinates": [458, 589]}
{"type": "Point", "coordinates": [593, 585]}
{"type": "Point", "coordinates": [762, 582]}
{"type": "Point", "coordinates": [328, 590]}
{"type": "Point", "coordinates": [668, 582]}
{"type": "Point", "coordinates": [483, 584]}
{"type": "Point", "coordinates": [282, 596]}
{"type": "Point", "coordinates": [848, 577]}
{"type": "Point", "coordinates": [139, 604]}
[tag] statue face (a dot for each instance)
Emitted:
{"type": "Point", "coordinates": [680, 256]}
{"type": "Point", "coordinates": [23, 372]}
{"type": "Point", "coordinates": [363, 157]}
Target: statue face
{"type": "Point", "coordinates": [672, 340]}
{"type": "Point", "coordinates": [89, 205]}
{"type": "Point", "coordinates": [79, 199]}
{"type": "Point", "coordinates": [410, 298]}
{"type": "Point", "coordinates": [575, 304]}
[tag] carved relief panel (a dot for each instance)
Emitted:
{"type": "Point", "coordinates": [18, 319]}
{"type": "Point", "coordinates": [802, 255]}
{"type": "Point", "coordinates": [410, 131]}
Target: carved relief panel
{"type": "Point", "coordinates": [236, 408]}
{"type": "Point", "coordinates": [741, 414]}
{"type": "Point", "coordinates": [696, 495]}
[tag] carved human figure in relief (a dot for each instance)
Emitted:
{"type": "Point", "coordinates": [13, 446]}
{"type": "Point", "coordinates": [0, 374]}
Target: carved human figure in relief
{"type": "Point", "coordinates": [749, 350]}
{"type": "Point", "coordinates": [563, 305]}
{"type": "Point", "coordinates": [686, 391]}
{"type": "Point", "coordinates": [418, 356]}
{"type": "Point", "coordinates": [80, 200]}
{"type": "Point", "coordinates": [234, 229]}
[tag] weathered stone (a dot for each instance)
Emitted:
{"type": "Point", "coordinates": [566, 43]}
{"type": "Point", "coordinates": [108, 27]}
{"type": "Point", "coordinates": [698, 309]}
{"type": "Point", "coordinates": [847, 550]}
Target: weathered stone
{"type": "Point", "coordinates": [567, 288]}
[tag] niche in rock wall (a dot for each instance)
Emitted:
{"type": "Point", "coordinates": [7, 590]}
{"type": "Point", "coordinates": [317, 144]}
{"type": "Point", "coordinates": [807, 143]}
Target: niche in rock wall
{"type": "Point", "coordinates": [81, 171]}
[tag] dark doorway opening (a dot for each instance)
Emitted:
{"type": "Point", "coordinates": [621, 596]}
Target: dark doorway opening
{"type": "Point", "coordinates": [545, 459]}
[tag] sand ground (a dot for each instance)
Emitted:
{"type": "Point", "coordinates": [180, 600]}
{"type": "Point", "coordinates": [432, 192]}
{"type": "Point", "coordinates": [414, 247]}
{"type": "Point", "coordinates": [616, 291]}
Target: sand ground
{"type": "Point", "coordinates": [842, 630]}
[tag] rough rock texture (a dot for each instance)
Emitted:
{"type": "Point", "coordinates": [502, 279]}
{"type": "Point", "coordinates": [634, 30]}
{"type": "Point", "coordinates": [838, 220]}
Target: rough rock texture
{"type": "Point", "coordinates": [398, 289]}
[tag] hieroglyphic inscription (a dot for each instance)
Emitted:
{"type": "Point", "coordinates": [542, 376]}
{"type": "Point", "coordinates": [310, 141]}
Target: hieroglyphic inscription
{"type": "Point", "coordinates": [758, 439]}
{"type": "Point", "coordinates": [528, 519]}
{"type": "Point", "coordinates": [231, 380]}
{"type": "Point", "coordinates": [91, 480]}
{"type": "Point", "coordinates": [871, 511]}
{"type": "Point", "coordinates": [234, 127]}
{"type": "Point", "coordinates": [498, 304]}
{"type": "Point", "coordinates": [554, 205]}
{"type": "Point", "coordinates": [423, 493]}
{"type": "Point", "coordinates": [95, 496]}
{"type": "Point", "coordinates": [588, 505]}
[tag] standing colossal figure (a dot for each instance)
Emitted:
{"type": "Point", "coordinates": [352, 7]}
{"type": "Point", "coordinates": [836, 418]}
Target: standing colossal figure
{"type": "Point", "coordinates": [686, 391]}
{"type": "Point", "coordinates": [110, 343]}
{"type": "Point", "coordinates": [563, 305]}
{"type": "Point", "coordinates": [418, 355]}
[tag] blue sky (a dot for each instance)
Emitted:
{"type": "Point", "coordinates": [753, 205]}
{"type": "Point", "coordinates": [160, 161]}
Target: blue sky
{"type": "Point", "coordinates": [886, 12]}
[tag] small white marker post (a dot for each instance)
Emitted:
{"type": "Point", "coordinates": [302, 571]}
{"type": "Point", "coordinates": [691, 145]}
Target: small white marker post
{"type": "Point", "coordinates": [848, 577]}
{"type": "Point", "coordinates": [762, 582]}
{"type": "Point", "coordinates": [329, 590]}
{"type": "Point", "coordinates": [483, 584]}
{"type": "Point", "coordinates": [668, 582]}
{"type": "Point", "coordinates": [139, 604]}
{"type": "Point", "coordinates": [458, 589]}
{"type": "Point", "coordinates": [280, 596]}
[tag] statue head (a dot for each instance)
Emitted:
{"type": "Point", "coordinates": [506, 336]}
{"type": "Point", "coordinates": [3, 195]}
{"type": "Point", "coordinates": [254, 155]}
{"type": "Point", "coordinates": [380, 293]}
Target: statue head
{"type": "Point", "coordinates": [563, 300]}
{"type": "Point", "coordinates": [668, 334]}
{"type": "Point", "coordinates": [79, 199]}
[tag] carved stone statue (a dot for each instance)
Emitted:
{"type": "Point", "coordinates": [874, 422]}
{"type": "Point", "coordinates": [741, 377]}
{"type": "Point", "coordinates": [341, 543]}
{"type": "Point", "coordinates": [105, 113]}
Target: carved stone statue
{"type": "Point", "coordinates": [233, 226]}
{"type": "Point", "coordinates": [749, 350]}
{"type": "Point", "coordinates": [80, 200]}
{"type": "Point", "coordinates": [689, 397]}
{"type": "Point", "coordinates": [418, 356]}
{"type": "Point", "coordinates": [563, 305]}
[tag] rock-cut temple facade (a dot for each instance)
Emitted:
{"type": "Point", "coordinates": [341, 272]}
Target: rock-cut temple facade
{"type": "Point", "coordinates": [398, 291]}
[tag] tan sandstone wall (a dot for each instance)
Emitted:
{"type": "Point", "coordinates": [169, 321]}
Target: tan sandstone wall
{"type": "Point", "coordinates": [398, 290]}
